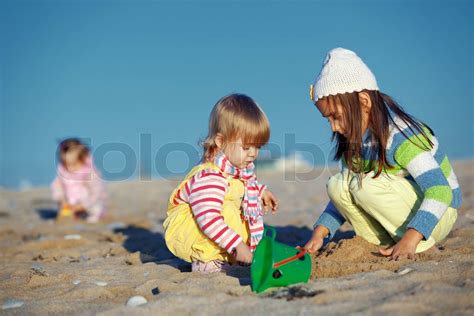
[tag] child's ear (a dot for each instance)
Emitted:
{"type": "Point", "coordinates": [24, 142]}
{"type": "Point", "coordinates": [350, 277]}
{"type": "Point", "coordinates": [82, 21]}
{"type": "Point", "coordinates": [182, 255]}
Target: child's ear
{"type": "Point", "coordinates": [219, 140]}
{"type": "Point", "coordinates": [365, 102]}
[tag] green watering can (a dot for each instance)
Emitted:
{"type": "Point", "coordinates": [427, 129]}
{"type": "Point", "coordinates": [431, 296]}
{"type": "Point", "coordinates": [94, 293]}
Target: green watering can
{"type": "Point", "coordinates": [276, 264]}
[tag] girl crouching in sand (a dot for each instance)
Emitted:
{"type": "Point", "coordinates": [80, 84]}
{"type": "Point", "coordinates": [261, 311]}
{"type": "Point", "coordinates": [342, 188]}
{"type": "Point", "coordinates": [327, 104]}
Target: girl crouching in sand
{"type": "Point", "coordinates": [215, 214]}
{"type": "Point", "coordinates": [396, 186]}
{"type": "Point", "coordinates": [78, 187]}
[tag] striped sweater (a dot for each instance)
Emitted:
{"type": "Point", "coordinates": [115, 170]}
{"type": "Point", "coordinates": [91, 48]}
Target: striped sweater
{"type": "Point", "coordinates": [205, 193]}
{"type": "Point", "coordinates": [430, 169]}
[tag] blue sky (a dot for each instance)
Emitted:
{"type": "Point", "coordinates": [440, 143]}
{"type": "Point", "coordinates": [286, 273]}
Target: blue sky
{"type": "Point", "coordinates": [136, 76]}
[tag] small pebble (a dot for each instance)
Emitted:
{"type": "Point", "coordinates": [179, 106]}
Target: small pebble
{"type": "Point", "coordinates": [76, 282]}
{"type": "Point", "coordinates": [72, 237]}
{"type": "Point", "coordinates": [145, 274]}
{"type": "Point", "coordinates": [136, 301]}
{"type": "Point", "coordinates": [38, 269]}
{"type": "Point", "coordinates": [404, 271]}
{"type": "Point", "coordinates": [10, 303]}
{"type": "Point", "coordinates": [100, 283]}
{"type": "Point", "coordinates": [84, 258]}
{"type": "Point", "coordinates": [37, 266]}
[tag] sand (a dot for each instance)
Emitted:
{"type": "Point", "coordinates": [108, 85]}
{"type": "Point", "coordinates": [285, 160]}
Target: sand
{"type": "Point", "coordinates": [69, 267]}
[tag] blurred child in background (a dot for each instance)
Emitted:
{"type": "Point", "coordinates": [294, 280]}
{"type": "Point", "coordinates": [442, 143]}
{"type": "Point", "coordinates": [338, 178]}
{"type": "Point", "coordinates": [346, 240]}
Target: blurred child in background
{"type": "Point", "coordinates": [78, 187]}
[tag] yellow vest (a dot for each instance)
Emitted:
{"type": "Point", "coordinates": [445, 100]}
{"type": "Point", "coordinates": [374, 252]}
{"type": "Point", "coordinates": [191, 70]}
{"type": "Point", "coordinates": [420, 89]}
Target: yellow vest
{"type": "Point", "coordinates": [183, 236]}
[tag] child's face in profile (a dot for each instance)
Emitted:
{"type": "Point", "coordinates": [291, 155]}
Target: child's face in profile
{"type": "Point", "coordinates": [334, 113]}
{"type": "Point", "coordinates": [240, 155]}
{"type": "Point", "coordinates": [333, 110]}
{"type": "Point", "coordinates": [72, 160]}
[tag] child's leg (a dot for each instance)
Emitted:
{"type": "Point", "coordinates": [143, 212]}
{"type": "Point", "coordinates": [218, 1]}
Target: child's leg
{"type": "Point", "coordinates": [186, 241]}
{"type": "Point", "coordinates": [210, 266]}
{"type": "Point", "coordinates": [364, 225]}
{"type": "Point", "coordinates": [205, 250]}
{"type": "Point", "coordinates": [393, 201]}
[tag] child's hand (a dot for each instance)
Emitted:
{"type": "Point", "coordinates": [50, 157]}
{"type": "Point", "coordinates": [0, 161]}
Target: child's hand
{"type": "Point", "coordinates": [405, 248]}
{"type": "Point", "coordinates": [243, 253]}
{"type": "Point", "coordinates": [317, 240]}
{"type": "Point", "coordinates": [314, 244]}
{"type": "Point", "coordinates": [269, 200]}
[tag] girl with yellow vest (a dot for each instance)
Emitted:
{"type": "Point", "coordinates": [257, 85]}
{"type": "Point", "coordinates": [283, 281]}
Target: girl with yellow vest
{"type": "Point", "coordinates": [215, 214]}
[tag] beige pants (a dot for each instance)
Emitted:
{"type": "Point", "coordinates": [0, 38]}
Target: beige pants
{"type": "Point", "coordinates": [380, 210]}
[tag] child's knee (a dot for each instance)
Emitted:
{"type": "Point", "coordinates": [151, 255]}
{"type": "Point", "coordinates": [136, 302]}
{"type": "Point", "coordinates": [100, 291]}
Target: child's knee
{"type": "Point", "coordinates": [361, 194]}
{"type": "Point", "coordinates": [371, 190]}
{"type": "Point", "coordinates": [337, 188]}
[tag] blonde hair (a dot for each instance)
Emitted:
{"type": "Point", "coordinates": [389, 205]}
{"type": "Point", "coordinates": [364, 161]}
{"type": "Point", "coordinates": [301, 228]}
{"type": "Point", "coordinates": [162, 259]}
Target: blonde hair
{"type": "Point", "coordinates": [236, 116]}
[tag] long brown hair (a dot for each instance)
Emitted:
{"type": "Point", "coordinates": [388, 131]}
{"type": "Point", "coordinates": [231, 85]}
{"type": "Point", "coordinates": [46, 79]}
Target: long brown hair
{"type": "Point", "coordinates": [381, 116]}
{"type": "Point", "coordinates": [236, 116]}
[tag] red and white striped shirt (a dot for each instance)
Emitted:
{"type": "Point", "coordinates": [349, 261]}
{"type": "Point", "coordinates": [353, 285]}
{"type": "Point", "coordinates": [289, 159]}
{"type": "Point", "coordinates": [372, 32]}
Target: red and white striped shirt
{"type": "Point", "coordinates": [205, 194]}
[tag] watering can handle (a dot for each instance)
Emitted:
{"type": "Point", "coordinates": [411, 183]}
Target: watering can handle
{"type": "Point", "coordinates": [271, 230]}
{"type": "Point", "coordinates": [283, 262]}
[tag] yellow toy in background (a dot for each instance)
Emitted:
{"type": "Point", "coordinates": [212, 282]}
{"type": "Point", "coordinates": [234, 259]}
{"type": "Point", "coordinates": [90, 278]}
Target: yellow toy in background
{"type": "Point", "coordinates": [65, 212]}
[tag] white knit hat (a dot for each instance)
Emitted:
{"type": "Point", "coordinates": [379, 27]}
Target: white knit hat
{"type": "Point", "coordinates": [342, 72]}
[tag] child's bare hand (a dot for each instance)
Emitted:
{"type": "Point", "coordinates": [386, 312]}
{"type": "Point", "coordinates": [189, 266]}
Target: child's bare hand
{"type": "Point", "coordinates": [269, 201]}
{"type": "Point", "coordinates": [243, 254]}
{"type": "Point", "coordinates": [405, 248]}
{"type": "Point", "coordinates": [314, 244]}
{"type": "Point", "coordinates": [317, 240]}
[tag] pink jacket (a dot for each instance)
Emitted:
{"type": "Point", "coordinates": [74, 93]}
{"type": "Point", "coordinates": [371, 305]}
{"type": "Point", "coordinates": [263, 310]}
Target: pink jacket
{"type": "Point", "coordinates": [84, 186]}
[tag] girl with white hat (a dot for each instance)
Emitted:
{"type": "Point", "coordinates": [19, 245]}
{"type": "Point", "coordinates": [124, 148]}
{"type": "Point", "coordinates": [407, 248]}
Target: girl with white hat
{"type": "Point", "coordinates": [396, 187]}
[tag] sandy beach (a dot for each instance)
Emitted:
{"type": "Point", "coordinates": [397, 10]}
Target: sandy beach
{"type": "Point", "coordinates": [69, 267]}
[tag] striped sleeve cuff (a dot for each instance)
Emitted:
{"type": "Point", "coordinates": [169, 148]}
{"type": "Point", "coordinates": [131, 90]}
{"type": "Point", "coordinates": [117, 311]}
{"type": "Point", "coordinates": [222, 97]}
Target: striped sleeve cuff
{"type": "Point", "coordinates": [424, 222]}
{"type": "Point", "coordinates": [331, 219]}
{"type": "Point", "coordinates": [230, 247]}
